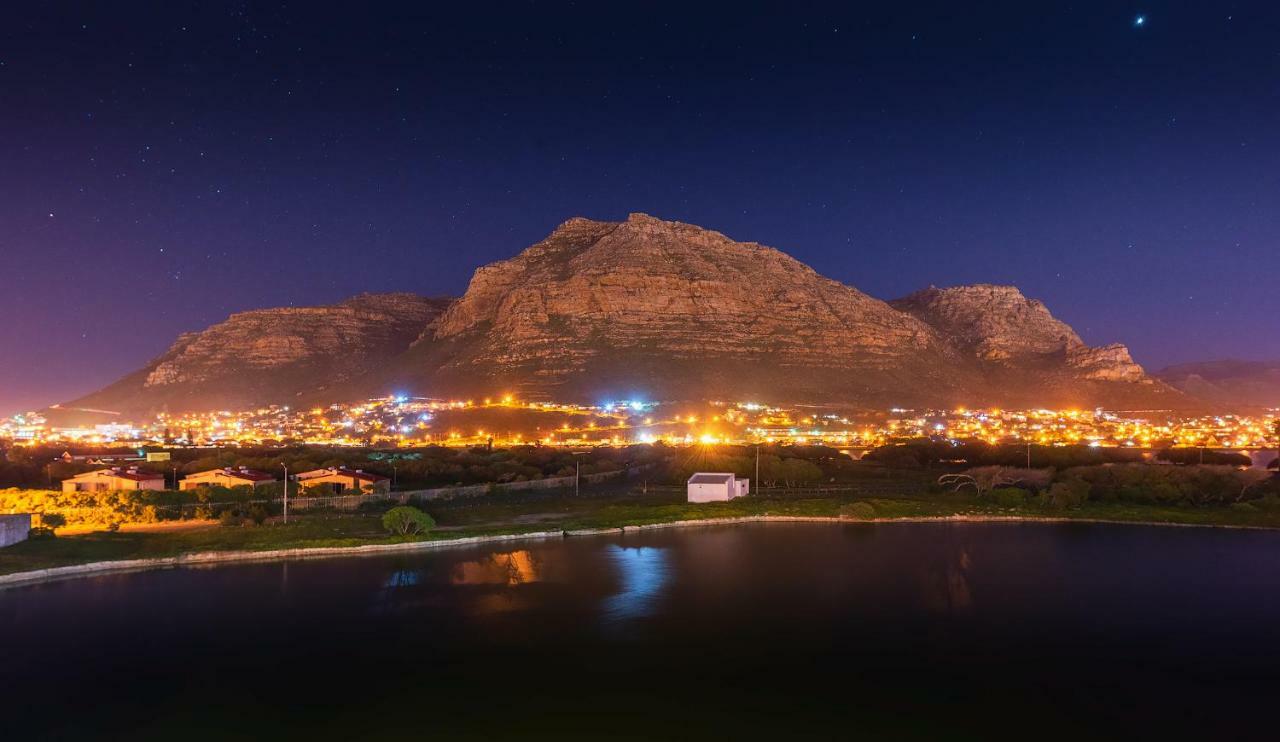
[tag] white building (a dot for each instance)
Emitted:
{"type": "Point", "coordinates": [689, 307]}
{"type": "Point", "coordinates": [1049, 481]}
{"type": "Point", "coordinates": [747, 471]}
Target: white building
{"type": "Point", "coordinates": [716, 487]}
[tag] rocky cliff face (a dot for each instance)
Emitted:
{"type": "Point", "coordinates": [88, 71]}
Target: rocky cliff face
{"type": "Point", "coordinates": [998, 325]}
{"type": "Point", "coordinates": [655, 292]}
{"type": "Point", "coordinates": [653, 309]}
{"type": "Point", "coordinates": [599, 310]}
{"type": "Point", "coordinates": [272, 355]}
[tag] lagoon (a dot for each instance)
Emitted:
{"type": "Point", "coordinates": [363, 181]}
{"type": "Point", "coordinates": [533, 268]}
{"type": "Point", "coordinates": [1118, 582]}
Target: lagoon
{"type": "Point", "coordinates": [888, 629]}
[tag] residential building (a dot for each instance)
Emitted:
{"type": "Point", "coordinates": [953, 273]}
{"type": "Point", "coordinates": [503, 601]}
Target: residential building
{"type": "Point", "coordinates": [340, 480]}
{"type": "Point", "coordinates": [115, 478]}
{"type": "Point", "coordinates": [228, 477]}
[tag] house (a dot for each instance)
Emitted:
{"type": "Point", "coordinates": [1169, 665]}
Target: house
{"type": "Point", "coordinates": [716, 487]}
{"type": "Point", "coordinates": [115, 478]}
{"type": "Point", "coordinates": [343, 480]}
{"type": "Point", "coordinates": [228, 477]}
{"type": "Point", "coordinates": [98, 458]}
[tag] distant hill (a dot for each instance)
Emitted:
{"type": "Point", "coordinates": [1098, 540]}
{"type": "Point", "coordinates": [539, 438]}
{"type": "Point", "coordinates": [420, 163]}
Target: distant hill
{"type": "Point", "coordinates": [654, 309]}
{"type": "Point", "coordinates": [1228, 382]}
{"type": "Point", "coordinates": [270, 356]}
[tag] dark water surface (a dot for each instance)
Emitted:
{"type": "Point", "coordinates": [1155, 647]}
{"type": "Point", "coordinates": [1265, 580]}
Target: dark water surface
{"type": "Point", "coordinates": [926, 630]}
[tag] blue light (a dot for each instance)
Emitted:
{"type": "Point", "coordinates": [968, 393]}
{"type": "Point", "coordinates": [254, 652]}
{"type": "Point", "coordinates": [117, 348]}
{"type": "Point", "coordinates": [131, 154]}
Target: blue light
{"type": "Point", "coordinates": [637, 406]}
{"type": "Point", "coordinates": [1139, 21]}
{"type": "Point", "coordinates": [643, 573]}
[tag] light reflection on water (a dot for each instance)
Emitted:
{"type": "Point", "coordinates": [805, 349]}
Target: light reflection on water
{"type": "Point", "coordinates": [642, 572]}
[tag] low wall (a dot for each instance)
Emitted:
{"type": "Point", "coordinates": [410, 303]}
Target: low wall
{"type": "Point", "coordinates": [14, 528]}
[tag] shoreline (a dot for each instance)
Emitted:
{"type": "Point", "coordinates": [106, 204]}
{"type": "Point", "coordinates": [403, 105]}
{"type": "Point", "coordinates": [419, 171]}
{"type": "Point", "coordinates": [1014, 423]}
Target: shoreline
{"type": "Point", "coordinates": [52, 574]}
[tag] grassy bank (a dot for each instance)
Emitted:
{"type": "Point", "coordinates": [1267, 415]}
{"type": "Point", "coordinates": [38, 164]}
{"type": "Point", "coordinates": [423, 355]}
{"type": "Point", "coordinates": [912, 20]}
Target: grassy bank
{"type": "Point", "coordinates": [512, 515]}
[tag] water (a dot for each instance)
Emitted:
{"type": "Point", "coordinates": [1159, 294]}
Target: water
{"type": "Point", "coordinates": [781, 630]}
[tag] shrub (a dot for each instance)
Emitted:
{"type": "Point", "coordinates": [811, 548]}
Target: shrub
{"type": "Point", "coordinates": [1063, 495]}
{"type": "Point", "coordinates": [41, 532]}
{"type": "Point", "coordinates": [1009, 497]}
{"type": "Point", "coordinates": [858, 511]}
{"type": "Point", "coordinates": [52, 522]}
{"type": "Point", "coordinates": [405, 520]}
{"type": "Point", "coordinates": [230, 517]}
{"type": "Point", "coordinates": [258, 514]}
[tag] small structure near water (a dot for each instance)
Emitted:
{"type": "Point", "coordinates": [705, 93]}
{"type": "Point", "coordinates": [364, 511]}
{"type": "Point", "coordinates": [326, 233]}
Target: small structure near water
{"type": "Point", "coordinates": [14, 528]}
{"type": "Point", "coordinates": [717, 487]}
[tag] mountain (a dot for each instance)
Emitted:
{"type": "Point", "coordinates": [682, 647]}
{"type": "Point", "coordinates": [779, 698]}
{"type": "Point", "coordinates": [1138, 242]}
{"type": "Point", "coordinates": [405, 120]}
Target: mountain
{"type": "Point", "coordinates": [271, 355]}
{"type": "Point", "coordinates": [1228, 382]}
{"type": "Point", "coordinates": [658, 310]}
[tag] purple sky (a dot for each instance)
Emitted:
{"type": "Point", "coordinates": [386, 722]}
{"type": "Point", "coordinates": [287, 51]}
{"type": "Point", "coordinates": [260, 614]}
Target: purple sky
{"type": "Point", "coordinates": [163, 166]}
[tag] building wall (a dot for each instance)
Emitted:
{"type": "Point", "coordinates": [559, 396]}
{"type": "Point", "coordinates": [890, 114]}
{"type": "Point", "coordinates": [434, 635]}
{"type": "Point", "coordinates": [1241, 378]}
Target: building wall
{"type": "Point", "coordinates": [14, 528]}
{"type": "Point", "coordinates": [216, 480]}
{"type": "Point", "coordinates": [103, 483]}
{"type": "Point", "coordinates": [709, 492]}
{"type": "Point", "coordinates": [341, 483]}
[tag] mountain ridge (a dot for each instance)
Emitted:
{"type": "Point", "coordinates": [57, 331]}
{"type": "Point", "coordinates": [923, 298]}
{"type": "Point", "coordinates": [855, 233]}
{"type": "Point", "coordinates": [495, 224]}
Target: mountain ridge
{"type": "Point", "coordinates": [664, 310]}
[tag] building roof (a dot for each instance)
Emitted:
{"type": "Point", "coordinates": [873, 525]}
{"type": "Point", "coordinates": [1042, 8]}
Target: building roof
{"type": "Point", "coordinates": [710, 478]}
{"type": "Point", "coordinates": [131, 473]}
{"type": "Point", "coordinates": [342, 471]}
{"type": "Point", "coordinates": [248, 475]}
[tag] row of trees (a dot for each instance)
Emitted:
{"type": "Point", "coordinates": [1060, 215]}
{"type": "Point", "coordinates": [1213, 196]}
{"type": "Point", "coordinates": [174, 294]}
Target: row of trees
{"type": "Point", "coordinates": [927, 453]}
{"type": "Point", "coordinates": [1134, 483]}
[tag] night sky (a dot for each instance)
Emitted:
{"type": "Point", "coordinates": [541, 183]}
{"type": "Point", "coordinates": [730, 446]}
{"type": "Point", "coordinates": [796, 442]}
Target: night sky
{"type": "Point", "coordinates": [163, 165]}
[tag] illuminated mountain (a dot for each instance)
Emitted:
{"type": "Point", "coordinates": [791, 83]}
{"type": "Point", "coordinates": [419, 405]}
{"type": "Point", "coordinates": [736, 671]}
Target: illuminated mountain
{"type": "Point", "coordinates": [271, 355]}
{"type": "Point", "coordinates": [653, 309]}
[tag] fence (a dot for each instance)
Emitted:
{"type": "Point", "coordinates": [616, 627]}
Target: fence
{"type": "Point", "coordinates": [351, 502]}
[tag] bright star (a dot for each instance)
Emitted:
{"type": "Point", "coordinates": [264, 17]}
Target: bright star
{"type": "Point", "coordinates": [1139, 21]}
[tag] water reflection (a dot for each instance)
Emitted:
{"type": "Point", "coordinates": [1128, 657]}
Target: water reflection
{"type": "Point", "coordinates": [642, 572]}
{"type": "Point", "coordinates": [944, 581]}
{"type": "Point", "coordinates": [403, 578]}
{"type": "Point", "coordinates": [510, 568]}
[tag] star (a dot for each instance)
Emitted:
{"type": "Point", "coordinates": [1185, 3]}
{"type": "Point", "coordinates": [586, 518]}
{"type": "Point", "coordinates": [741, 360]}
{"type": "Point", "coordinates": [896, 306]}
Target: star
{"type": "Point", "coordinates": [1139, 21]}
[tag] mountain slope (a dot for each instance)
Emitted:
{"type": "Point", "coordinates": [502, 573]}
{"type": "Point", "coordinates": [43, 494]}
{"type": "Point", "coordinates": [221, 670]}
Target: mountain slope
{"type": "Point", "coordinates": [271, 355]}
{"type": "Point", "coordinates": [1228, 382]}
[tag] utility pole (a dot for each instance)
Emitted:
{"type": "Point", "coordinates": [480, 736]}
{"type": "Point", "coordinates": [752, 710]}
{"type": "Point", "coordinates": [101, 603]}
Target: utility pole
{"type": "Point", "coordinates": [1028, 454]}
{"type": "Point", "coordinates": [393, 476]}
{"type": "Point", "coordinates": [757, 482]}
{"type": "Point", "coordinates": [1278, 446]}
{"type": "Point", "coordinates": [577, 469]}
{"type": "Point", "coordinates": [286, 492]}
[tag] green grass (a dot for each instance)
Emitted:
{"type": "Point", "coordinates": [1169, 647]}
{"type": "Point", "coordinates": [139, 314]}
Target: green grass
{"type": "Point", "coordinates": [560, 511]}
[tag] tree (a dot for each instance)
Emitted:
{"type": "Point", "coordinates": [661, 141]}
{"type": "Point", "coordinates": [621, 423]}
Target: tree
{"type": "Point", "coordinates": [406, 520]}
{"type": "Point", "coordinates": [986, 478]}
{"type": "Point", "coordinates": [52, 521]}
